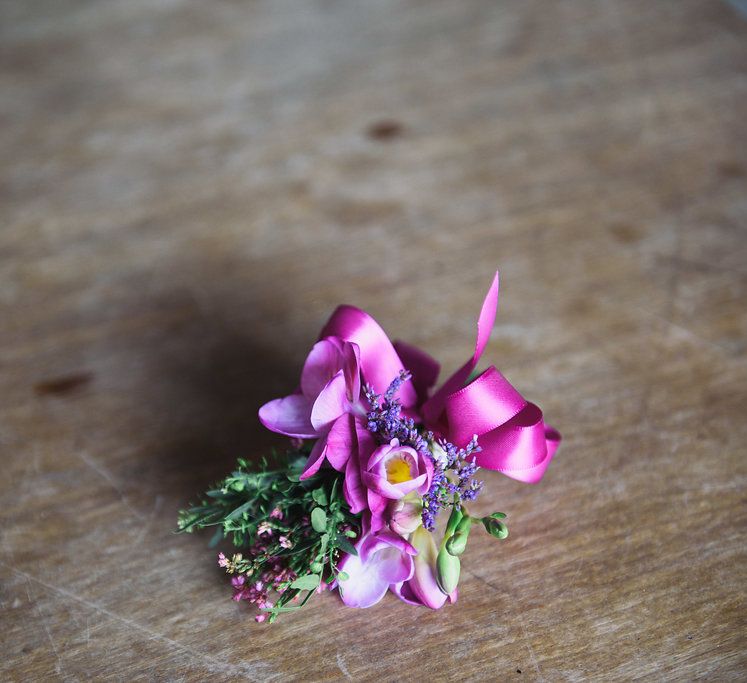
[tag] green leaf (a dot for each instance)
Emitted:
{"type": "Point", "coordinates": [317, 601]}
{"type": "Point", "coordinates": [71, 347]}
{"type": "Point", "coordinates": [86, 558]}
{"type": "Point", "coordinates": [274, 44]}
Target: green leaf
{"type": "Point", "coordinates": [346, 546]}
{"type": "Point", "coordinates": [324, 540]}
{"type": "Point", "coordinates": [276, 610]}
{"type": "Point", "coordinates": [217, 537]}
{"type": "Point", "coordinates": [218, 493]}
{"type": "Point", "coordinates": [319, 496]}
{"type": "Point", "coordinates": [498, 515]}
{"type": "Point", "coordinates": [343, 576]}
{"type": "Point", "coordinates": [319, 520]}
{"type": "Point", "coordinates": [239, 510]}
{"type": "Point", "coordinates": [296, 549]}
{"type": "Point", "coordinates": [309, 582]}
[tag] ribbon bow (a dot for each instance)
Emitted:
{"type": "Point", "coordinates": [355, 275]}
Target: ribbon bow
{"type": "Point", "coordinates": [512, 433]}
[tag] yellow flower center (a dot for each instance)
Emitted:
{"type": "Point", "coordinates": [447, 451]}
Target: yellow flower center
{"type": "Point", "coordinates": [398, 471]}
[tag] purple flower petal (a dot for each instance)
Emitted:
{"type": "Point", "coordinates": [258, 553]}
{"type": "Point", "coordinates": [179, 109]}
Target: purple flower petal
{"type": "Point", "coordinates": [380, 453]}
{"type": "Point", "coordinates": [404, 592]}
{"type": "Point", "coordinates": [392, 491]}
{"type": "Point", "coordinates": [353, 489]}
{"type": "Point", "coordinates": [290, 416]}
{"type": "Point", "coordinates": [383, 559]}
{"type": "Point", "coordinates": [331, 402]}
{"type": "Point", "coordinates": [377, 506]}
{"type": "Point", "coordinates": [375, 542]}
{"type": "Point", "coordinates": [341, 441]}
{"type": "Point", "coordinates": [423, 583]}
{"type": "Point", "coordinates": [316, 458]}
{"type": "Point", "coordinates": [321, 365]}
{"type": "Point", "coordinates": [363, 587]}
{"type": "Point", "coordinates": [351, 367]}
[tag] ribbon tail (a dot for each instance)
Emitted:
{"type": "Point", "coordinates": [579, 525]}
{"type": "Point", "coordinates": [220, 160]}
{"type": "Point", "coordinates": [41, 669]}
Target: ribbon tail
{"type": "Point", "coordinates": [433, 408]}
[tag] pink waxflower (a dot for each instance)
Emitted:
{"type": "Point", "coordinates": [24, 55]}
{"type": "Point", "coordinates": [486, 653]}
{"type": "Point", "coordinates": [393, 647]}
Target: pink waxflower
{"type": "Point", "coordinates": [384, 560]}
{"type": "Point", "coordinates": [222, 560]}
{"type": "Point", "coordinates": [276, 513]}
{"type": "Point", "coordinates": [329, 394]}
{"type": "Point", "coordinates": [242, 590]}
{"type": "Point", "coordinates": [264, 529]}
{"type": "Point", "coordinates": [285, 542]}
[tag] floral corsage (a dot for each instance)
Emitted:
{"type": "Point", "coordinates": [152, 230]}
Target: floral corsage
{"type": "Point", "coordinates": [375, 456]}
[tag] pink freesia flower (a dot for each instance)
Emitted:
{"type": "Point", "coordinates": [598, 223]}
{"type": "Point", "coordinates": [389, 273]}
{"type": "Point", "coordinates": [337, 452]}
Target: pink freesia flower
{"type": "Point", "coordinates": [384, 560]}
{"type": "Point", "coordinates": [422, 588]}
{"type": "Point", "coordinates": [391, 473]}
{"type": "Point", "coordinates": [330, 391]}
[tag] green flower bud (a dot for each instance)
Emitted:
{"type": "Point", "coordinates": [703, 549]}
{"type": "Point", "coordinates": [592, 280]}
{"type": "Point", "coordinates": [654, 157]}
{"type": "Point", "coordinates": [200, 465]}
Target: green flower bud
{"type": "Point", "coordinates": [495, 527]}
{"type": "Point", "coordinates": [447, 571]}
{"type": "Point", "coordinates": [454, 518]}
{"type": "Point", "coordinates": [457, 544]}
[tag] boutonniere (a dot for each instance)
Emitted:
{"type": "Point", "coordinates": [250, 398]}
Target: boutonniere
{"type": "Point", "coordinates": [375, 457]}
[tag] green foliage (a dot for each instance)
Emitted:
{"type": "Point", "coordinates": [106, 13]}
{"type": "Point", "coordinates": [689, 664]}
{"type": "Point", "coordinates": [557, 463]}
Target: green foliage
{"type": "Point", "coordinates": [270, 504]}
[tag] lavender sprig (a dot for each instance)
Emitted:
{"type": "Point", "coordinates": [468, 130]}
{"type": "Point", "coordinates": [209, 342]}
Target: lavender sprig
{"type": "Point", "coordinates": [386, 422]}
{"type": "Point", "coordinates": [385, 418]}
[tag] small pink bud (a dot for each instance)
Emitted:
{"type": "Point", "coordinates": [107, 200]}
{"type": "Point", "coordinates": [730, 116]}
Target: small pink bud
{"type": "Point", "coordinates": [405, 516]}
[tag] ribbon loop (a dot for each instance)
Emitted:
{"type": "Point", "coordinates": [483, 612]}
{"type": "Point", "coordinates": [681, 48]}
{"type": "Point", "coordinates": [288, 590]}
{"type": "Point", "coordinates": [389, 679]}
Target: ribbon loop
{"type": "Point", "coordinates": [380, 363]}
{"type": "Point", "coordinates": [478, 408]}
{"type": "Point", "coordinates": [512, 433]}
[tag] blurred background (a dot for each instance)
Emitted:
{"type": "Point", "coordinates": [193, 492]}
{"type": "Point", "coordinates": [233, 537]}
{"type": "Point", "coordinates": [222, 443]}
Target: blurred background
{"type": "Point", "coordinates": [189, 188]}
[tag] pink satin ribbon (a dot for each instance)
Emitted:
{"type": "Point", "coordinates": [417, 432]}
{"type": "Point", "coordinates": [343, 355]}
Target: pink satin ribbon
{"type": "Point", "coordinates": [511, 431]}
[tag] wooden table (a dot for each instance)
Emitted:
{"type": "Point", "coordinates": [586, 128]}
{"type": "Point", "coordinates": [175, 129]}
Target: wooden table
{"type": "Point", "coordinates": [189, 188]}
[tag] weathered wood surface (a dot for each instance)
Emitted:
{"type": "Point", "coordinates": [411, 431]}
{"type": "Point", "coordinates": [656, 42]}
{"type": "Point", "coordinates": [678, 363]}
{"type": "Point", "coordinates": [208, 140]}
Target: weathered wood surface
{"type": "Point", "coordinates": [189, 188]}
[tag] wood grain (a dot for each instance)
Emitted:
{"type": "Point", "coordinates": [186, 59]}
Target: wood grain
{"type": "Point", "coordinates": [189, 188]}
